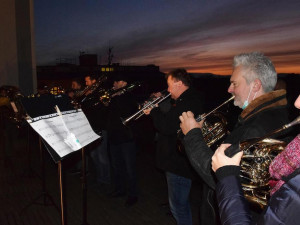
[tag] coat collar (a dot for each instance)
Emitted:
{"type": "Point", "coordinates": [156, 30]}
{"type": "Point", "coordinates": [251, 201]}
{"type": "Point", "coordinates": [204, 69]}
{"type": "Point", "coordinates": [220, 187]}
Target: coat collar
{"type": "Point", "coordinates": [266, 101]}
{"type": "Point", "coordinates": [185, 94]}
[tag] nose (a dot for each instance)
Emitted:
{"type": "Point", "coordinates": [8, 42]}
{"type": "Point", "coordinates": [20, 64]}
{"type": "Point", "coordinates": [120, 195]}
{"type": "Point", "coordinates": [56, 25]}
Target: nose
{"type": "Point", "coordinates": [230, 89]}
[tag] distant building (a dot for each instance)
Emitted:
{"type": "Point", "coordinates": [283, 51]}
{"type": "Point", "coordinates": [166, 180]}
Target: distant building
{"type": "Point", "coordinates": [62, 73]}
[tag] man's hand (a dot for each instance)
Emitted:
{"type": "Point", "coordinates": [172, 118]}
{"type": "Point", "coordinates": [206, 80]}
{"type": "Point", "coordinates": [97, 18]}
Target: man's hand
{"type": "Point", "coordinates": [156, 95]}
{"type": "Point", "coordinates": [88, 92]}
{"type": "Point", "coordinates": [188, 122]}
{"type": "Point", "coordinates": [219, 159]}
{"type": "Point", "coordinates": [153, 95]}
{"type": "Point", "coordinates": [147, 111]}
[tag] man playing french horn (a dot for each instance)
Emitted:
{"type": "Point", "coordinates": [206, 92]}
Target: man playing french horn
{"type": "Point", "coordinates": [284, 180]}
{"type": "Point", "coordinates": [252, 83]}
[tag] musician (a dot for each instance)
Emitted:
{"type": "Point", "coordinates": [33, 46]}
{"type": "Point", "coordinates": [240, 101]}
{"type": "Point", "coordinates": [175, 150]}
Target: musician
{"type": "Point", "coordinates": [283, 207]}
{"type": "Point", "coordinates": [252, 83]}
{"type": "Point", "coordinates": [178, 170]}
{"type": "Point", "coordinates": [8, 129]}
{"type": "Point", "coordinates": [76, 86]}
{"type": "Point", "coordinates": [122, 142]}
{"type": "Point", "coordinates": [96, 114]}
{"type": "Point", "coordinates": [42, 89]}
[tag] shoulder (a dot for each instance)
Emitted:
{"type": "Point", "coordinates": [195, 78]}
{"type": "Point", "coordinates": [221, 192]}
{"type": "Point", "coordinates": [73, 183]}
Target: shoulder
{"type": "Point", "coordinates": [261, 123]}
{"type": "Point", "coordinates": [285, 203]}
{"type": "Point", "coordinates": [191, 97]}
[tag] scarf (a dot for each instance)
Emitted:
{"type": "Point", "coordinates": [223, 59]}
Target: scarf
{"type": "Point", "coordinates": [284, 164]}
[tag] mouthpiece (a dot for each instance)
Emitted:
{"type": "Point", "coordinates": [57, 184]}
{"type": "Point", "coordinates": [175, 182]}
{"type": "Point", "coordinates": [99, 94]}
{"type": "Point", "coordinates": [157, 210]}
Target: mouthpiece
{"type": "Point", "coordinates": [294, 122]}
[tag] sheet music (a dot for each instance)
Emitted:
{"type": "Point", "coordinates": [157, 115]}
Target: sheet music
{"type": "Point", "coordinates": [52, 130]}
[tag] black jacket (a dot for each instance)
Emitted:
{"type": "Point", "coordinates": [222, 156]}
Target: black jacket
{"type": "Point", "coordinates": [168, 158]}
{"type": "Point", "coordinates": [95, 112]}
{"type": "Point", "coordinates": [121, 106]}
{"type": "Point", "coordinates": [264, 114]}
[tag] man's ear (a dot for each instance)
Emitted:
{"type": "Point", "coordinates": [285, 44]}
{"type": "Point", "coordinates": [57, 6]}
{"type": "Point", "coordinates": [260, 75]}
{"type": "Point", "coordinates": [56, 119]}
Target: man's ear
{"type": "Point", "coordinates": [179, 83]}
{"type": "Point", "coordinates": [257, 85]}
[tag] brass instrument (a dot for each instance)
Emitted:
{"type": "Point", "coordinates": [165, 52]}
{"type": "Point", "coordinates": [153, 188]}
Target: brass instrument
{"type": "Point", "coordinates": [10, 104]}
{"type": "Point", "coordinates": [147, 104]}
{"type": "Point", "coordinates": [107, 95]}
{"type": "Point", "coordinates": [257, 157]}
{"type": "Point", "coordinates": [214, 126]}
{"type": "Point", "coordinates": [80, 96]}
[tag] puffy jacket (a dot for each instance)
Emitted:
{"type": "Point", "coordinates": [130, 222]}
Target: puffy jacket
{"type": "Point", "coordinates": [283, 206]}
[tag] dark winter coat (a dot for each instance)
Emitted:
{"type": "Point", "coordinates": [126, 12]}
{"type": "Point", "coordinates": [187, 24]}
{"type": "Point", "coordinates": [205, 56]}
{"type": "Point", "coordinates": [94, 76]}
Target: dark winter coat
{"type": "Point", "coordinates": [283, 207]}
{"type": "Point", "coordinates": [121, 106]}
{"type": "Point", "coordinates": [168, 158]}
{"type": "Point", "coordinates": [95, 112]}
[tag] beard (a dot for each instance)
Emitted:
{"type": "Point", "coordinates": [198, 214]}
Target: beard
{"type": "Point", "coordinates": [237, 102]}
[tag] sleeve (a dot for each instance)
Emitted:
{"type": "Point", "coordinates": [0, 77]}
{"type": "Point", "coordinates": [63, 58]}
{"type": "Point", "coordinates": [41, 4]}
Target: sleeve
{"type": "Point", "coordinates": [199, 155]}
{"type": "Point", "coordinates": [233, 207]}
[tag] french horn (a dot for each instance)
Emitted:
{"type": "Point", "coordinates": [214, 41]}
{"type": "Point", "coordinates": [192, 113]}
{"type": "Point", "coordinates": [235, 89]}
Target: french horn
{"type": "Point", "coordinates": [257, 157]}
{"type": "Point", "coordinates": [214, 126]}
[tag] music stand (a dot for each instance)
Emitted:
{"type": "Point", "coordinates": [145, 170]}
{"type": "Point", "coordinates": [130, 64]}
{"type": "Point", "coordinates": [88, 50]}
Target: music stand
{"type": "Point", "coordinates": [44, 195]}
{"type": "Point", "coordinates": [44, 119]}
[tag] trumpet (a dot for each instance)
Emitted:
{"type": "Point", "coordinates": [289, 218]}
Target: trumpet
{"type": "Point", "coordinates": [107, 95]}
{"type": "Point", "coordinates": [146, 105]}
{"type": "Point", "coordinates": [81, 95]}
{"type": "Point", "coordinates": [212, 130]}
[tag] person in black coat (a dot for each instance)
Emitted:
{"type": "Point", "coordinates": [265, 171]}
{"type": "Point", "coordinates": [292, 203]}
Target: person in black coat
{"type": "Point", "coordinates": [176, 166]}
{"type": "Point", "coordinates": [96, 113]}
{"type": "Point", "coordinates": [283, 206]}
{"type": "Point", "coordinates": [252, 81]}
{"type": "Point", "coordinates": [122, 142]}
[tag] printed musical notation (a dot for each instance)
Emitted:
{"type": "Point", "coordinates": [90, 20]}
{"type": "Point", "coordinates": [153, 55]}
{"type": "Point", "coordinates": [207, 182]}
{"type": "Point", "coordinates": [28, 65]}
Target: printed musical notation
{"type": "Point", "coordinates": [53, 131]}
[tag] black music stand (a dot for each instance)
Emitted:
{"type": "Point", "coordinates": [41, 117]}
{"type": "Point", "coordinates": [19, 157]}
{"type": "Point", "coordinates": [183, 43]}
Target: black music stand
{"type": "Point", "coordinates": [44, 195]}
{"type": "Point", "coordinates": [41, 106]}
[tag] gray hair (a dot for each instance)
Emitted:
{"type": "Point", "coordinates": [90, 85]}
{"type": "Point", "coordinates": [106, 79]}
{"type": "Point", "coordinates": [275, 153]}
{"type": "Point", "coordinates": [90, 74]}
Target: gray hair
{"type": "Point", "coordinates": [260, 67]}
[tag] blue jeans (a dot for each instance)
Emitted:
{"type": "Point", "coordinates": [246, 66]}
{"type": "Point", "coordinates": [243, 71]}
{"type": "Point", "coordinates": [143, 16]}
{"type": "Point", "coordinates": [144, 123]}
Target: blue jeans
{"type": "Point", "coordinates": [101, 160]}
{"type": "Point", "coordinates": [123, 158]}
{"type": "Point", "coordinates": [179, 191]}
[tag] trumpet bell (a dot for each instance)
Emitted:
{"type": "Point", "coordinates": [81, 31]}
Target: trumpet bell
{"type": "Point", "coordinates": [214, 129]}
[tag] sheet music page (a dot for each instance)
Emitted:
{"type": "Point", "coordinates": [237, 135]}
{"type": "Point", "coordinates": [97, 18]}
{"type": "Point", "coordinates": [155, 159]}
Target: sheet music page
{"type": "Point", "coordinates": [53, 131]}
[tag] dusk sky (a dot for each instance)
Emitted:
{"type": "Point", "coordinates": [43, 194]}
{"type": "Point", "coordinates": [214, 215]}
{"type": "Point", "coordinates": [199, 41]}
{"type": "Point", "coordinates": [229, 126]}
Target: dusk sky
{"type": "Point", "coordinates": [199, 35]}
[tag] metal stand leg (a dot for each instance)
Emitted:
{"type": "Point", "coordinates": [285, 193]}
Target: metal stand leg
{"type": "Point", "coordinates": [62, 197]}
{"type": "Point", "coordinates": [45, 195]}
{"type": "Point", "coordinates": [84, 189]}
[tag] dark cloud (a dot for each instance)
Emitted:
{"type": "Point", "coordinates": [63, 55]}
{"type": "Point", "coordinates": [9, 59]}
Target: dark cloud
{"type": "Point", "coordinates": [203, 35]}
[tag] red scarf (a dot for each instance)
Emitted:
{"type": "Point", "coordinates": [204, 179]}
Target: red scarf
{"type": "Point", "coordinates": [284, 164]}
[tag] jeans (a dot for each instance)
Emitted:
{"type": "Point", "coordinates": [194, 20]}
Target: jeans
{"type": "Point", "coordinates": [179, 191]}
{"type": "Point", "coordinates": [123, 158]}
{"type": "Point", "coordinates": [101, 161]}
